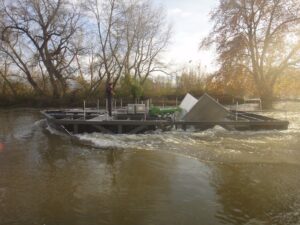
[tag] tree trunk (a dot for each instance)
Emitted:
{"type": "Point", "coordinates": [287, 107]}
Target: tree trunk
{"type": "Point", "coordinates": [55, 93]}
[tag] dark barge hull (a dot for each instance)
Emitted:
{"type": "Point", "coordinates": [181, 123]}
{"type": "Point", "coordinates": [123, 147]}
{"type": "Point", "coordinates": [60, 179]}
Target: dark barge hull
{"type": "Point", "coordinates": [74, 122]}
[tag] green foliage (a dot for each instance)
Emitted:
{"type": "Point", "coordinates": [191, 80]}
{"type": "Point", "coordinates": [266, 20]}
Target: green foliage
{"type": "Point", "coordinates": [130, 87]}
{"type": "Point", "coordinates": [156, 111]}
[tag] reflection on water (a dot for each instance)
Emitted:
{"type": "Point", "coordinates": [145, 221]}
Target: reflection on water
{"type": "Point", "coordinates": [211, 177]}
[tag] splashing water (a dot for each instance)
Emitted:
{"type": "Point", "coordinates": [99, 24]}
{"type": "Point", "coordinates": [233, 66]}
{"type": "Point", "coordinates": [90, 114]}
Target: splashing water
{"type": "Point", "coordinates": [215, 144]}
{"type": "Point", "coordinates": [177, 177]}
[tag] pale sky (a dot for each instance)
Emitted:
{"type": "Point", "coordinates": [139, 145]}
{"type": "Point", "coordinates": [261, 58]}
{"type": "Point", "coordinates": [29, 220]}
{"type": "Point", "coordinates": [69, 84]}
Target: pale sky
{"type": "Point", "coordinates": [190, 19]}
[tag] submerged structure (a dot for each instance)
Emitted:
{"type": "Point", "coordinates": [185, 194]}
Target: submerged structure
{"type": "Point", "coordinates": [192, 113]}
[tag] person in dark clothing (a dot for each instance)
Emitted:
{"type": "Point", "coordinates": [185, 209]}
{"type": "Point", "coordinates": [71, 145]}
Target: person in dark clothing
{"type": "Point", "coordinates": [109, 94]}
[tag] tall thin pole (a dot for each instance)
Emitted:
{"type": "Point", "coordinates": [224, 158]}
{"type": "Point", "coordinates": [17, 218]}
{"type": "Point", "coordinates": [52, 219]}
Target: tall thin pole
{"type": "Point", "coordinates": [236, 111]}
{"type": "Point", "coordinates": [260, 105]}
{"type": "Point", "coordinates": [84, 109]}
{"type": "Point", "coordinates": [106, 108]}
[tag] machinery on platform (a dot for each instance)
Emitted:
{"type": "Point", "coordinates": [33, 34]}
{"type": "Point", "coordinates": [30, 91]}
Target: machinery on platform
{"type": "Point", "coordinates": [198, 114]}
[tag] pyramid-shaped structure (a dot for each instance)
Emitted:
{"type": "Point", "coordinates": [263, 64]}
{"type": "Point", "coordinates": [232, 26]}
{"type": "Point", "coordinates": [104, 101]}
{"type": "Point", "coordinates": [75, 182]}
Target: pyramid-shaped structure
{"type": "Point", "coordinates": [206, 109]}
{"type": "Point", "coordinates": [187, 104]}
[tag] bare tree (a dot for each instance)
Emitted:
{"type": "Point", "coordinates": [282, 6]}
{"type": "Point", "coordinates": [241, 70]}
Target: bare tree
{"type": "Point", "coordinates": [262, 36]}
{"type": "Point", "coordinates": [104, 17]}
{"type": "Point", "coordinates": [12, 47]}
{"type": "Point", "coordinates": [147, 35]}
{"type": "Point", "coordinates": [46, 27]}
{"type": "Point", "coordinates": [5, 78]}
{"type": "Point", "coordinates": [130, 36]}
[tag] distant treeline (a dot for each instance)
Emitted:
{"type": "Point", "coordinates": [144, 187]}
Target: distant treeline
{"type": "Point", "coordinates": [162, 90]}
{"type": "Point", "coordinates": [60, 52]}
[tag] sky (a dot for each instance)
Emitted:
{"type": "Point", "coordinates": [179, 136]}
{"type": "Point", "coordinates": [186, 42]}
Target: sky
{"type": "Point", "coordinates": [190, 19]}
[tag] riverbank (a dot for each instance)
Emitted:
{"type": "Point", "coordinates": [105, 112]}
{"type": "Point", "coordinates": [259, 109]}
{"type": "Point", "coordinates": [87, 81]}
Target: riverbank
{"type": "Point", "coordinates": [71, 101]}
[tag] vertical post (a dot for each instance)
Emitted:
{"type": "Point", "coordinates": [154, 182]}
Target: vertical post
{"type": "Point", "coordinates": [106, 108]}
{"type": "Point", "coordinates": [176, 102]}
{"type": "Point", "coordinates": [260, 105]}
{"type": "Point", "coordinates": [147, 108]}
{"type": "Point", "coordinates": [84, 109]}
{"type": "Point", "coordinates": [98, 106]}
{"type": "Point", "coordinates": [120, 129]}
{"type": "Point", "coordinates": [236, 111]}
{"type": "Point", "coordinates": [121, 103]}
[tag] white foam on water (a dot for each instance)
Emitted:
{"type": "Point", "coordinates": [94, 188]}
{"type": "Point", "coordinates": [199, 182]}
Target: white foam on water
{"type": "Point", "coordinates": [156, 140]}
{"type": "Point", "coordinates": [29, 130]}
{"type": "Point", "coordinates": [124, 141]}
{"type": "Point", "coordinates": [40, 123]}
{"type": "Point", "coordinates": [216, 144]}
{"type": "Point", "coordinates": [102, 140]}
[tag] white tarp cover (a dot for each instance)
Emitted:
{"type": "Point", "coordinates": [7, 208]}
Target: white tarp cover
{"type": "Point", "coordinates": [187, 103]}
{"type": "Point", "coordinates": [206, 109]}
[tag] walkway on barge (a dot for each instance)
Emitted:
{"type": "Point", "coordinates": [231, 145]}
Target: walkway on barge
{"type": "Point", "coordinates": [87, 122]}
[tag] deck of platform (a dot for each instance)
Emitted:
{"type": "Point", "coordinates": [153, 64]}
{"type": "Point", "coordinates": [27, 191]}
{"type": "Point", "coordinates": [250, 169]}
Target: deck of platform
{"type": "Point", "coordinates": [82, 122]}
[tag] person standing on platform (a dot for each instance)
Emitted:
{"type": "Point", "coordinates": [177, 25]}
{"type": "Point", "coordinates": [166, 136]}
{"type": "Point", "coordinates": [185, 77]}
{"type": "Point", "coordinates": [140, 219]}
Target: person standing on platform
{"type": "Point", "coordinates": [109, 94]}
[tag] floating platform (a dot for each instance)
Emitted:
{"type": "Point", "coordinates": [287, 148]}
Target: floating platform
{"type": "Point", "coordinates": [89, 121]}
{"type": "Point", "coordinates": [192, 113]}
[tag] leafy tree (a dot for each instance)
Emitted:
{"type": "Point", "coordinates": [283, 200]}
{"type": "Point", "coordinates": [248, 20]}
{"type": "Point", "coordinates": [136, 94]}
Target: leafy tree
{"type": "Point", "coordinates": [262, 36]}
{"type": "Point", "coordinates": [130, 87]}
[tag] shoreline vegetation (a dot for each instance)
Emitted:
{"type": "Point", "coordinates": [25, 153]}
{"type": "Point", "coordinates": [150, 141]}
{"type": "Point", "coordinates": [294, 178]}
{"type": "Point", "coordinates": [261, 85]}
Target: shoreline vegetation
{"type": "Point", "coordinates": [162, 90]}
{"type": "Point", "coordinates": [76, 101]}
{"type": "Point", "coordinates": [73, 101]}
{"type": "Point", "coordinates": [60, 53]}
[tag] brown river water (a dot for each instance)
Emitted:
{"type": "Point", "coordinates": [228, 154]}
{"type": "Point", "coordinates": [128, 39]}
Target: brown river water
{"type": "Point", "coordinates": [210, 177]}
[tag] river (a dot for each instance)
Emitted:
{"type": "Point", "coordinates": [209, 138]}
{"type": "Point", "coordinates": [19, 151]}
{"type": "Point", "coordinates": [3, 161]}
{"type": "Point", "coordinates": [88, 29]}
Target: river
{"type": "Point", "coordinates": [210, 177]}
